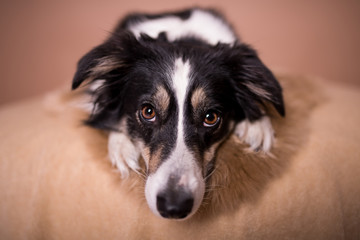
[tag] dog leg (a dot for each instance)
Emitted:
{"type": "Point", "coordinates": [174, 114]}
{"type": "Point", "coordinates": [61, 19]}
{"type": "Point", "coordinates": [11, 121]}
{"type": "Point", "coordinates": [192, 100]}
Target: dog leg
{"type": "Point", "coordinates": [259, 134]}
{"type": "Point", "coordinates": [123, 154]}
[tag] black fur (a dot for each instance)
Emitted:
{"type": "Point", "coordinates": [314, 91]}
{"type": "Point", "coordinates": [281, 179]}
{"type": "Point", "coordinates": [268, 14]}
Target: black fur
{"type": "Point", "coordinates": [137, 66]}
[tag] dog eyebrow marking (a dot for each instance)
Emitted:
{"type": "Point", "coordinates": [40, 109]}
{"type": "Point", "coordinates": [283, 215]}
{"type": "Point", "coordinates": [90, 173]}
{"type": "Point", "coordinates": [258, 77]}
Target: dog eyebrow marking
{"type": "Point", "coordinates": [162, 98]}
{"type": "Point", "coordinates": [198, 97]}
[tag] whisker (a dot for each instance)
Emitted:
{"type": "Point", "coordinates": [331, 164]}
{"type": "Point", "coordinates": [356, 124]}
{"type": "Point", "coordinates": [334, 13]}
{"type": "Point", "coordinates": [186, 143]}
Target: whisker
{"type": "Point", "coordinates": [211, 173]}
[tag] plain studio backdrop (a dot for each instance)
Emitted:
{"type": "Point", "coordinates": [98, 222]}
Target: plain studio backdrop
{"type": "Point", "coordinates": [41, 41]}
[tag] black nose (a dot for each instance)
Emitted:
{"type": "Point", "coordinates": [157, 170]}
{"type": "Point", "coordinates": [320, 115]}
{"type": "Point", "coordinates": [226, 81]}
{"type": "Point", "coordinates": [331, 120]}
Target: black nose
{"type": "Point", "coordinates": [174, 204]}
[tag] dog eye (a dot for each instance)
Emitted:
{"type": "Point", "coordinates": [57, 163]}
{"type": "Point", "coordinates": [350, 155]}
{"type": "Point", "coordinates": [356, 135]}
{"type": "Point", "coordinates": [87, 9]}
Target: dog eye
{"type": "Point", "coordinates": [211, 119]}
{"type": "Point", "coordinates": [148, 113]}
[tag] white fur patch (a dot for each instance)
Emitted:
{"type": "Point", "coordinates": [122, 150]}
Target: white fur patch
{"type": "Point", "coordinates": [122, 153]}
{"type": "Point", "coordinates": [259, 134]}
{"type": "Point", "coordinates": [86, 102]}
{"type": "Point", "coordinates": [96, 85]}
{"type": "Point", "coordinates": [201, 24]}
{"type": "Point", "coordinates": [181, 81]}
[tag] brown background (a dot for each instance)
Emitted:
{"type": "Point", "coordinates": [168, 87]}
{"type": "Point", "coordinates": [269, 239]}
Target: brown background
{"type": "Point", "coordinates": [41, 41]}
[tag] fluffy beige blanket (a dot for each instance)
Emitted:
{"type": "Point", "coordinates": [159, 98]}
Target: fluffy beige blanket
{"type": "Point", "coordinates": [56, 181]}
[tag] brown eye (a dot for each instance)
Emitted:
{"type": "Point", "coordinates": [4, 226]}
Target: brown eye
{"type": "Point", "coordinates": [211, 119]}
{"type": "Point", "coordinates": [148, 113]}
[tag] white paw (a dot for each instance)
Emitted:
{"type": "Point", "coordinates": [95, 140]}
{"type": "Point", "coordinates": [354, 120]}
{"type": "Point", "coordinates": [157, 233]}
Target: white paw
{"type": "Point", "coordinates": [259, 134]}
{"type": "Point", "coordinates": [123, 154]}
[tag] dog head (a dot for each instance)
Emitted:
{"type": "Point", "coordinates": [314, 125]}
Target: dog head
{"type": "Point", "coordinates": [176, 102]}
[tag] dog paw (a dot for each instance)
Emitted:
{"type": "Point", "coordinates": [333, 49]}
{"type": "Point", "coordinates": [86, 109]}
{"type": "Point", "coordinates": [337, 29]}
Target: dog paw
{"type": "Point", "coordinates": [258, 134]}
{"type": "Point", "coordinates": [123, 154]}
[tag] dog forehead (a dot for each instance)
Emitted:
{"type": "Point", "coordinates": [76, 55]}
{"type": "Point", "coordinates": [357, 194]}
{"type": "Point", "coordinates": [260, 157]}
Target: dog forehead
{"type": "Point", "coordinates": [180, 79]}
{"type": "Point", "coordinates": [188, 90]}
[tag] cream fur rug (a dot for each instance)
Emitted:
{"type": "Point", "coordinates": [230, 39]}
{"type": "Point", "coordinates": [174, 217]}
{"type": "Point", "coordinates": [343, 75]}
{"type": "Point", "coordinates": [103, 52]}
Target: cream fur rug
{"type": "Point", "coordinates": [56, 181]}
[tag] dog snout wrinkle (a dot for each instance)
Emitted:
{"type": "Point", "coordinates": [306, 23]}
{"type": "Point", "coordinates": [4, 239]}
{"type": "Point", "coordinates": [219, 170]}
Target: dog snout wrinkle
{"type": "Point", "coordinates": [174, 204]}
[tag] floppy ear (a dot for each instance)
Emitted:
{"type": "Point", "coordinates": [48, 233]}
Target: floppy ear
{"type": "Point", "coordinates": [96, 64]}
{"type": "Point", "coordinates": [108, 63]}
{"type": "Point", "coordinates": [255, 84]}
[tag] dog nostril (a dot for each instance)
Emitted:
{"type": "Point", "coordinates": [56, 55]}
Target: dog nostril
{"type": "Point", "coordinates": [174, 205]}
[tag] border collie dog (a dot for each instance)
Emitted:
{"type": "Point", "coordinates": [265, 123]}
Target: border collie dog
{"type": "Point", "coordinates": [170, 88]}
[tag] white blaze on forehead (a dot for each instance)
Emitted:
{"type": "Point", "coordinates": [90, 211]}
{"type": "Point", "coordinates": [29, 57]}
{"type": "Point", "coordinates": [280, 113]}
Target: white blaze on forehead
{"type": "Point", "coordinates": [180, 85]}
{"type": "Point", "coordinates": [181, 163]}
{"type": "Point", "coordinates": [201, 24]}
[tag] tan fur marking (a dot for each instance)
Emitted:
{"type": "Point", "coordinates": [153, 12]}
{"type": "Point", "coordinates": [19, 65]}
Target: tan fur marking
{"type": "Point", "coordinates": [155, 159]}
{"type": "Point", "coordinates": [258, 91]}
{"type": "Point", "coordinates": [209, 154]}
{"type": "Point", "coordinates": [146, 155]}
{"type": "Point", "coordinates": [198, 97]}
{"type": "Point", "coordinates": [162, 98]}
{"type": "Point", "coordinates": [105, 65]}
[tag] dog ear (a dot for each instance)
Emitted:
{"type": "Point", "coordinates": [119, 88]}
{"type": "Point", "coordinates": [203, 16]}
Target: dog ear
{"type": "Point", "coordinates": [97, 63]}
{"type": "Point", "coordinates": [255, 84]}
{"type": "Point", "coordinates": [108, 64]}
